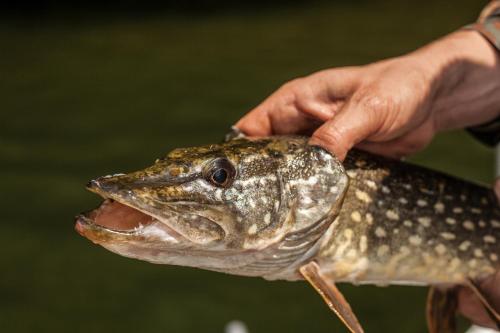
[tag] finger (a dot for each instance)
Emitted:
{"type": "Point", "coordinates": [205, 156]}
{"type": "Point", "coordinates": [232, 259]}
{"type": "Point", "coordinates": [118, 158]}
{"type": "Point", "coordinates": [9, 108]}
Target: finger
{"type": "Point", "coordinates": [300, 105]}
{"type": "Point", "coordinates": [413, 141]}
{"type": "Point", "coordinates": [353, 124]}
{"type": "Point", "coordinates": [471, 307]}
{"type": "Point", "coordinates": [256, 122]}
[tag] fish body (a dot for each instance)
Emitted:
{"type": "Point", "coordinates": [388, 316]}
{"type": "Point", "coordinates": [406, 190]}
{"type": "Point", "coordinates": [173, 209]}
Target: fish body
{"type": "Point", "coordinates": [270, 207]}
{"type": "Point", "coordinates": [404, 224]}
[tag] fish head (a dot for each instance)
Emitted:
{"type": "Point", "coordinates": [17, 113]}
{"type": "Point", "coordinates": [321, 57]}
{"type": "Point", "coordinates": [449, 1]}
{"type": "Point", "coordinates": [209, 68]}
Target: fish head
{"type": "Point", "coordinates": [224, 207]}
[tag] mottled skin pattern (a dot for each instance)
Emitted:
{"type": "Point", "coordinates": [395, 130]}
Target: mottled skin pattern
{"type": "Point", "coordinates": [404, 224]}
{"type": "Point", "coordinates": [286, 203]}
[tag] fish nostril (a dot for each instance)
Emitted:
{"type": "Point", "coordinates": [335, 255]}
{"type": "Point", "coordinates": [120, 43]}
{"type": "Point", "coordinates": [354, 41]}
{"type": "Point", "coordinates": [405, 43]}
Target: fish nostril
{"type": "Point", "coordinates": [103, 184]}
{"type": "Point", "coordinates": [93, 184]}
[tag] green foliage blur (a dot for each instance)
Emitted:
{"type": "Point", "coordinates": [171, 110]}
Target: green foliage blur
{"type": "Point", "coordinates": [88, 92]}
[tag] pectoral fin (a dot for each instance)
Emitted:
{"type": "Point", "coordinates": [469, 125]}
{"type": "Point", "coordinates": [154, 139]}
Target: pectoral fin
{"type": "Point", "coordinates": [441, 310]}
{"type": "Point", "coordinates": [494, 315]}
{"type": "Point", "coordinates": [332, 296]}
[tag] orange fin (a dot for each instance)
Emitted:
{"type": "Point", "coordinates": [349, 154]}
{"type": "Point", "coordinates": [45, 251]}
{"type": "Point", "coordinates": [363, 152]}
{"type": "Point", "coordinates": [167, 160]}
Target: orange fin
{"type": "Point", "coordinates": [494, 315]}
{"type": "Point", "coordinates": [332, 296]}
{"type": "Point", "coordinates": [441, 310]}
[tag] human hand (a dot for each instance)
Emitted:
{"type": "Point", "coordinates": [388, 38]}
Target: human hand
{"type": "Point", "coordinates": [469, 304]}
{"type": "Point", "coordinates": [393, 107]}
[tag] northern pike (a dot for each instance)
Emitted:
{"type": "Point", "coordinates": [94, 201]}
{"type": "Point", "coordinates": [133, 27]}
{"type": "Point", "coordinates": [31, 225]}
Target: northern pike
{"type": "Point", "coordinates": [280, 208]}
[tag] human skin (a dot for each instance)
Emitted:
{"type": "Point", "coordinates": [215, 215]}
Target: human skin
{"type": "Point", "coordinates": [393, 108]}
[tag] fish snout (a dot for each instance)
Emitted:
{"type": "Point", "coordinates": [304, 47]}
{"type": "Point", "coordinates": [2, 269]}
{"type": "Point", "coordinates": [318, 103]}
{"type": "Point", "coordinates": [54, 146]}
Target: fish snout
{"type": "Point", "coordinates": [107, 184]}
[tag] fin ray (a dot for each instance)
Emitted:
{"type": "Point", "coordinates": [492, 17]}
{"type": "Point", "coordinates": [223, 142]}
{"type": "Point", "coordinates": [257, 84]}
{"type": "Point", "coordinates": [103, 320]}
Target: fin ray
{"type": "Point", "coordinates": [332, 296]}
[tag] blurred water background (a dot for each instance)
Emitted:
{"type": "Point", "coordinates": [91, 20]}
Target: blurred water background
{"type": "Point", "coordinates": [92, 89]}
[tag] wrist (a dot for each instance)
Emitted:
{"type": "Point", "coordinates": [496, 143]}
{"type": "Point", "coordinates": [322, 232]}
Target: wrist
{"type": "Point", "coordinates": [459, 50]}
{"type": "Point", "coordinates": [463, 70]}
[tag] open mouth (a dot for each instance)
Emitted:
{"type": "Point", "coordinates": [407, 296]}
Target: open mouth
{"type": "Point", "coordinates": [116, 221]}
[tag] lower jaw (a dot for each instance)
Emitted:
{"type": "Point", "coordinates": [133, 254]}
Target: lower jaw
{"type": "Point", "coordinates": [114, 221]}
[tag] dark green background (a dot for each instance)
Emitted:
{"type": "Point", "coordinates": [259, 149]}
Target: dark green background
{"type": "Point", "coordinates": [94, 91]}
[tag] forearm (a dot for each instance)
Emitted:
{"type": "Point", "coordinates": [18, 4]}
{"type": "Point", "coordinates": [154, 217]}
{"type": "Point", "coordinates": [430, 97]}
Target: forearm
{"type": "Point", "coordinates": [464, 69]}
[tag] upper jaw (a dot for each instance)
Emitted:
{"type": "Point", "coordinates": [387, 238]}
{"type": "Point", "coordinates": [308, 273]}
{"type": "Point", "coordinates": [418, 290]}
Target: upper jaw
{"type": "Point", "coordinates": [145, 227]}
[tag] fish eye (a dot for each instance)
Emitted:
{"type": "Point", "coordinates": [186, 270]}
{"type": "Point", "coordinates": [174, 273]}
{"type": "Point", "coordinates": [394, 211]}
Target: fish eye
{"type": "Point", "coordinates": [219, 176]}
{"type": "Point", "coordinates": [220, 172]}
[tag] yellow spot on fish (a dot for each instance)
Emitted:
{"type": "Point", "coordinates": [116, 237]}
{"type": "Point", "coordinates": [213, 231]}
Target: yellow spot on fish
{"type": "Point", "coordinates": [482, 224]}
{"type": "Point", "coordinates": [267, 218]}
{"type": "Point", "coordinates": [356, 216]}
{"type": "Point", "coordinates": [478, 253]}
{"type": "Point", "coordinates": [392, 215]}
{"type": "Point", "coordinates": [369, 218]}
{"type": "Point", "coordinates": [403, 201]}
{"type": "Point", "coordinates": [426, 191]}
{"type": "Point", "coordinates": [371, 184]}
{"type": "Point", "coordinates": [351, 173]}
{"type": "Point", "coordinates": [495, 224]}
{"type": "Point", "coordinates": [450, 220]}
{"type": "Point", "coordinates": [415, 240]}
{"type": "Point", "coordinates": [447, 235]}
{"type": "Point", "coordinates": [458, 210]}
{"type": "Point", "coordinates": [363, 243]}
{"type": "Point", "coordinates": [440, 249]}
{"type": "Point", "coordinates": [385, 189]}
{"type": "Point", "coordinates": [421, 203]}
{"type": "Point", "coordinates": [348, 233]}
{"type": "Point", "coordinates": [407, 223]}
{"type": "Point", "coordinates": [493, 257]}
{"type": "Point", "coordinates": [253, 229]}
{"type": "Point", "coordinates": [382, 250]}
{"type": "Point", "coordinates": [379, 232]}
{"type": "Point", "coordinates": [425, 221]}
{"type": "Point", "coordinates": [489, 239]}
{"type": "Point", "coordinates": [475, 210]}
{"type": "Point", "coordinates": [472, 263]}
{"type": "Point", "coordinates": [468, 225]}
{"type": "Point", "coordinates": [351, 254]}
{"type": "Point", "coordinates": [360, 163]}
{"type": "Point", "coordinates": [363, 196]}
{"type": "Point", "coordinates": [464, 245]}
{"type": "Point", "coordinates": [404, 250]}
{"type": "Point", "coordinates": [454, 264]}
{"type": "Point", "coordinates": [439, 207]}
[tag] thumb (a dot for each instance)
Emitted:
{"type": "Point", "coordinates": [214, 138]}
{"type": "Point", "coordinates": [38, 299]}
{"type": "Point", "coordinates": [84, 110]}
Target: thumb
{"type": "Point", "coordinates": [354, 123]}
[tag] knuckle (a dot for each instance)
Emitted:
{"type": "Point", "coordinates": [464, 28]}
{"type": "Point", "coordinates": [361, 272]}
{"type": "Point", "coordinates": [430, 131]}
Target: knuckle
{"type": "Point", "coordinates": [377, 103]}
{"type": "Point", "coordinates": [331, 138]}
{"type": "Point", "coordinates": [372, 98]}
{"type": "Point", "coordinates": [292, 84]}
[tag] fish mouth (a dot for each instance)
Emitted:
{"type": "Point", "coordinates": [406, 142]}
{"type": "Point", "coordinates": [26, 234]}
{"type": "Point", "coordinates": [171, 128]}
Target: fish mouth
{"type": "Point", "coordinates": [116, 220]}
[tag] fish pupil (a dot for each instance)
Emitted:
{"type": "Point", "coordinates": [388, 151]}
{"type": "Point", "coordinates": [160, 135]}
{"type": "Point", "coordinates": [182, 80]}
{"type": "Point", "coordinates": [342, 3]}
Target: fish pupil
{"type": "Point", "coordinates": [219, 176]}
